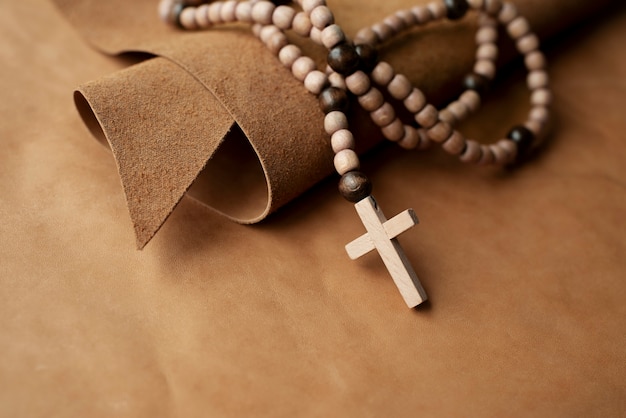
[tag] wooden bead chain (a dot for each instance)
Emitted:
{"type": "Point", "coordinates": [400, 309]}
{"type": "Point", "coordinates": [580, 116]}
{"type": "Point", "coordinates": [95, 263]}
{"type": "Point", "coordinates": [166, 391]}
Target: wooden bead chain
{"type": "Point", "coordinates": [353, 68]}
{"type": "Point", "coordinates": [476, 81]}
{"type": "Point", "coordinates": [441, 126]}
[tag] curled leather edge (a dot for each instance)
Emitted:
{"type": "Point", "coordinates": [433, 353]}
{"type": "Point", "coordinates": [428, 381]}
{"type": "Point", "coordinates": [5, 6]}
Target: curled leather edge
{"type": "Point", "coordinates": [172, 135]}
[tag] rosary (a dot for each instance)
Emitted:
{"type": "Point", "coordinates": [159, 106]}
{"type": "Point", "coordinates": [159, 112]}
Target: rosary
{"type": "Point", "coordinates": [353, 68]}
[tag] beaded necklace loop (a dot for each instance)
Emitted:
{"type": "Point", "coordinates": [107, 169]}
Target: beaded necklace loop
{"type": "Point", "coordinates": [354, 67]}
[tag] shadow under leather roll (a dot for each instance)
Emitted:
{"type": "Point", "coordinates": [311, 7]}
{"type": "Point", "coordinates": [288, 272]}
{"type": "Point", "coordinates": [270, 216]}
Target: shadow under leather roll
{"type": "Point", "coordinates": [216, 116]}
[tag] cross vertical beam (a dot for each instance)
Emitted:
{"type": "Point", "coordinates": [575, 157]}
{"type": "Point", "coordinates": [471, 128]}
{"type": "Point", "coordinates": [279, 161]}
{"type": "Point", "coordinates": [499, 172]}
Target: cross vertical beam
{"type": "Point", "coordinates": [382, 236]}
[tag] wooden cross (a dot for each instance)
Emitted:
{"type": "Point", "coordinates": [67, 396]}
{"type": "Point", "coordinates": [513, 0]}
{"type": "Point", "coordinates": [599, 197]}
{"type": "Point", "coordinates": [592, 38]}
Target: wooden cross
{"type": "Point", "coordinates": [381, 235]}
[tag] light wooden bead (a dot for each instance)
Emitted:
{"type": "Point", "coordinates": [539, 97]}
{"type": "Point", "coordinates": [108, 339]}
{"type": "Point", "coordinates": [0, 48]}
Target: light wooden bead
{"type": "Point", "coordinates": [400, 87]}
{"type": "Point", "coordinates": [415, 101]}
{"type": "Point", "coordinates": [384, 115]}
{"type": "Point", "coordinates": [455, 144]}
{"type": "Point", "coordinates": [276, 42]}
{"type": "Point", "coordinates": [518, 27]}
{"type": "Point", "coordinates": [486, 34]}
{"type": "Point", "coordinates": [535, 61]}
{"type": "Point", "coordinates": [332, 35]}
{"type": "Point", "coordinates": [407, 18]}
{"type": "Point", "coordinates": [337, 80]}
{"type": "Point", "coordinates": [459, 110]}
{"type": "Point", "coordinates": [500, 156]}
{"type": "Point", "coordinates": [486, 68]}
{"type": "Point", "coordinates": [383, 32]}
{"type": "Point", "coordinates": [187, 18]}
{"type": "Point", "coordinates": [446, 116]}
{"type": "Point", "coordinates": [334, 121]}
{"type": "Point", "coordinates": [476, 4]}
{"type": "Point", "coordinates": [262, 12]}
{"type": "Point", "coordinates": [537, 79]}
{"type": "Point", "coordinates": [472, 152]}
{"type": "Point", "coordinates": [422, 14]}
{"type": "Point", "coordinates": [509, 148]}
{"type": "Point", "coordinates": [358, 83]}
{"type": "Point", "coordinates": [321, 17]}
{"type": "Point", "coordinates": [302, 66]}
{"type": "Point", "coordinates": [541, 97]}
{"type": "Point", "coordinates": [289, 54]}
{"type": "Point", "coordinates": [410, 139]}
{"type": "Point", "coordinates": [202, 17]}
{"type": "Point", "coordinates": [383, 73]}
{"type": "Point", "coordinates": [539, 113]}
{"type": "Point", "coordinates": [470, 99]}
{"type": "Point", "coordinates": [167, 12]}
{"type": "Point", "coordinates": [315, 82]}
{"type": "Point", "coordinates": [493, 7]}
{"type": "Point", "coordinates": [395, 23]}
{"type": "Point", "coordinates": [394, 131]}
{"type": "Point", "coordinates": [440, 132]}
{"type": "Point", "coordinates": [437, 9]}
{"type": "Point", "coordinates": [486, 156]}
{"type": "Point", "coordinates": [371, 100]}
{"type": "Point", "coordinates": [427, 117]}
{"type": "Point", "coordinates": [487, 51]}
{"type": "Point", "coordinates": [283, 17]}
{"type": "Point", "coordinates": [346, 160]}
{"type": "Point", "coordinates": [528, 43]}
{"type": "Point", "coordinates": [243, 11]}
{"type": "Point", "coordinates": [316, 35]}
{"type": "Point", "coordinates": [507, 13]}
{"type": "Point", "coordinates": [366, 36]}
{"type": "Point", "coordinates": [215, 12]}
{"type": "Point", "coordinates": [342, 139]}
{"type": "Point", "coordinates": [301, 24]}
{"type": "Point", "coordinates": [267, 31]}
{"type": "Point", "coordinates": [228, 11]}
{"type": "Point", "coordinates": [484, 20]}
{"type": "Point", "coordinates": [309, 5]}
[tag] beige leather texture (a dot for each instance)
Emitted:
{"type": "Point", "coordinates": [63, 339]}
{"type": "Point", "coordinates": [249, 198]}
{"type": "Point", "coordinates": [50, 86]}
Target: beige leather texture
{"type": "Point", "coordinates": [525, 268]}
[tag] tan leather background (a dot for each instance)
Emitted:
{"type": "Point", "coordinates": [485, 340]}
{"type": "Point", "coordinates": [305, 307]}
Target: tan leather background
{"type": "Point", "coordinates": [525, 269]}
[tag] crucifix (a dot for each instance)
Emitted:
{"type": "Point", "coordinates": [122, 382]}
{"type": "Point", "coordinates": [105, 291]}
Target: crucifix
{"type": "Point", "coordinates": [381, 236]}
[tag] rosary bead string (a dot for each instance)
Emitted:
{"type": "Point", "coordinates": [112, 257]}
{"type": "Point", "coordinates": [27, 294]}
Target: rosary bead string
{"type": "Point", "coordinates": [345, 67]}
{"type": "Point", "coordinates": [492, 12]}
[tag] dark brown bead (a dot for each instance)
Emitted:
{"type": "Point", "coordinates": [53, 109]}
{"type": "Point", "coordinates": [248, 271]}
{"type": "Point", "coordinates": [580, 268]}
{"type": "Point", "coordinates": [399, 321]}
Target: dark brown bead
{"type": "Point", "coordinates": [476, 82]}
{"type": "Point", "coordinates": [333, 98]}
{"type": "Point", "coordinates": [456, 8]}
{"type": "Point", "coordinates": [524, 139]}
{"type": "Point", "coordinates": [354, 186]}
{"type": "Point", "coordinates": [177, 9]}
{"type": "Point", "coordinates": [343, 59]}
{"type": "Point", "coordinates": [368, 57]}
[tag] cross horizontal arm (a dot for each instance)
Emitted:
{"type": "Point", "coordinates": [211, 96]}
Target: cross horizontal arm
{"type": "Point", "coordinates": [393, 227]}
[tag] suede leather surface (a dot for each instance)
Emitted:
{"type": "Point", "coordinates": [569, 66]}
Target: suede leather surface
{"type": "Point", "coordinates": [525, 268]}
